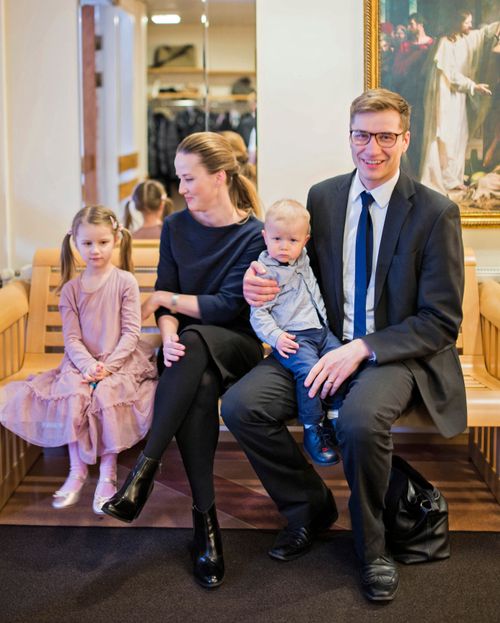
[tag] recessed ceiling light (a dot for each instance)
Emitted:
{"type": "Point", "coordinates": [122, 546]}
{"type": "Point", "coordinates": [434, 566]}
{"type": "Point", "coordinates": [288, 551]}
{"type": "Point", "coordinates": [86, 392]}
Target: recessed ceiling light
{"type": "Point", "coordinates": [165, 18]}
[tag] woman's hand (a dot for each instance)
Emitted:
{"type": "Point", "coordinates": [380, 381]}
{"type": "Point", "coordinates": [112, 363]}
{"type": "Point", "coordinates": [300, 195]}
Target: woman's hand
{"type": "Point", "coordinates": [173, 350]}
{"type": "Point", "coordinates": [149, 307]}
{"type": "Point", "coordinates": [286, 344]}
{"type": "Point", "coordinates": [258, 290]}
{"type": "Point", "coordinates": [160, 298]}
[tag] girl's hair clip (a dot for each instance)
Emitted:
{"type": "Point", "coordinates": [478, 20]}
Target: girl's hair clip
{"type": "Point", "coordinates": [114, 224]}
{"type": "Point", "coordinates": [69, 232]}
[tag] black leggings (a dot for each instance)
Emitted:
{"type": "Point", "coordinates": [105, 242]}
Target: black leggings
{"type": "Point", "coordinates": [186, 406]}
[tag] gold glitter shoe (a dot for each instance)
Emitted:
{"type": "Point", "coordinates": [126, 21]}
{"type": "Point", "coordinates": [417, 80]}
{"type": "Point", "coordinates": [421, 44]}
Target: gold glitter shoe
{"type": "Point", "coordinates": [100, 499]}
{"type": "Point", "coordinates": [63, 499]}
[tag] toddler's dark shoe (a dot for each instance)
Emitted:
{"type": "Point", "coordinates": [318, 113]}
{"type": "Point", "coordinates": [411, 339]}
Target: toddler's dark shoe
{"type": "Point", "coordinates": [330, 433]}
{"type": "Point", "coordinates": [317, 447]}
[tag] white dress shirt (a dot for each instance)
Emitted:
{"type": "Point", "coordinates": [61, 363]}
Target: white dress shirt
{"type": "Point", "coordinates": [378, 211]}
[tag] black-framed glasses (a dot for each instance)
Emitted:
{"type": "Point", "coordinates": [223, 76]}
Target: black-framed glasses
{"type": "Point", "coordinates": [384, 139]}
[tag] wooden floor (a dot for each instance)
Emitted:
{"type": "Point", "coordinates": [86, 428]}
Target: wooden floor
{"type": "Point", "coordinates": [241, 500]}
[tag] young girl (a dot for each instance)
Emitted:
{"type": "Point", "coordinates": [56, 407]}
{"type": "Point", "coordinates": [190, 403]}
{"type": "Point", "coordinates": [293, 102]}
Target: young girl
{"type": "Point", "coordinates": [99, 400]}
{"type": "Point", "coordinates": [150, 199]}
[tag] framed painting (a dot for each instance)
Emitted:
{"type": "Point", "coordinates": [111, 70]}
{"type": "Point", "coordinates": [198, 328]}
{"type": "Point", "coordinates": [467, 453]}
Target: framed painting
{"type": "Point", "coordinates": [446, 62]}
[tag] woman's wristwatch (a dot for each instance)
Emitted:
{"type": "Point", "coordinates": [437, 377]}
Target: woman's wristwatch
{"type": "Point", "coordinates": [173, 302]}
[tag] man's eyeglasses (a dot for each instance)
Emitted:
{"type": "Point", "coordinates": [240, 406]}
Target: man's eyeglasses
{"type": "Point", "coordinates": [384, 139]}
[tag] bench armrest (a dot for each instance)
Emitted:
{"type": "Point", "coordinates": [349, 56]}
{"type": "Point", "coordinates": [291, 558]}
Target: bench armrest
{"type": "Point", "coordinates": [489, 309]}
{"type": "Point", "coordinates": [13, 318]}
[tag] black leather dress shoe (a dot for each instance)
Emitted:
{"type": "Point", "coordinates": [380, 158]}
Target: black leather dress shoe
{"type": "Point", "coordinates": [380, 579]}
{"type": "Point", "coordinates": [291, 543]}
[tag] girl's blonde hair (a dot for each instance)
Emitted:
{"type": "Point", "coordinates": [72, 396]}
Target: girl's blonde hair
{"type": "Point", "coordinates": [148, 197]}
{"type": "Point", "coordinates": [216, 155]}
{"type": "Point", "coordinates": [94, 215]}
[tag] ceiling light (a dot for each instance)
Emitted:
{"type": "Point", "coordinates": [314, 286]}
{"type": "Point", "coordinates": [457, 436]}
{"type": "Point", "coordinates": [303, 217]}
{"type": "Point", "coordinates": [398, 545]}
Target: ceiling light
{"type": "Point", "coordinates": [165, 18]}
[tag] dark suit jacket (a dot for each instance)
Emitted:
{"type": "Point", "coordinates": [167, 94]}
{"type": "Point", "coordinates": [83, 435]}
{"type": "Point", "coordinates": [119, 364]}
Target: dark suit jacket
{"type": "Point", "coordinates": [419, 284]}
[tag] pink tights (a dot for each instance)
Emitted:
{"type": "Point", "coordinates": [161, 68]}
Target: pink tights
{"type": "Point", "coordinates": [106, 487]}
{"type": "Point", "coordinates": [78, 472]}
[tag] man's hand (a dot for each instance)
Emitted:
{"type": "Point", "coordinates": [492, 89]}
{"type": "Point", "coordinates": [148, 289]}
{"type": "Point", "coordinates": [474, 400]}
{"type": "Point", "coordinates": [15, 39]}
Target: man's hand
{"type": "Point", "coordinates": [482, 89]}
{"type": "Point", "coordinates": [286, 344]}
{"type": "Point", "coordinates": [172, 349]}
{"type": "Point", "coordinates": [256, 289]}
{"type": "Point", "coordinates": [334, 367]}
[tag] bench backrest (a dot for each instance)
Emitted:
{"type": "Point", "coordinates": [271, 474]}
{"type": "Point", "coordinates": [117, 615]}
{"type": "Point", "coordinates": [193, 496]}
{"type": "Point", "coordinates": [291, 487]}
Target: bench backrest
{"type": "Point", "coordinates": [44, 331]}
{"type": "Point", "coordinates": [469, 341]}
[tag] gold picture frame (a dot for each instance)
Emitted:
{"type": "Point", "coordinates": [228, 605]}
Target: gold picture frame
{"type": "Point", "coordinates": [473, 213]}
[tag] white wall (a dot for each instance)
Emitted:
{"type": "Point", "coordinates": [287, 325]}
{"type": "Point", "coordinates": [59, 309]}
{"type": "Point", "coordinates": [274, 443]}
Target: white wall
{"type": "Point", "coordinates": [309, 68]}
{"type": "Point", "coordinates": [40, 163]}
{"type": "Point", "coordinates": [122, 100]}
{"type": "Point", "coordinates": [5, 230]}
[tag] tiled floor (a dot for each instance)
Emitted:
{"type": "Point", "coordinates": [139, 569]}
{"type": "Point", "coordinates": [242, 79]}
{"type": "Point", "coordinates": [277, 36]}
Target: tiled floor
{"type": "Point", "coordinates": [241, 500]}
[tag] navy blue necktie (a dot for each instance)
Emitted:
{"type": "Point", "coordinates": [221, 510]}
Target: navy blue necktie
{"type": "Point", "coordinates": [363, 266]}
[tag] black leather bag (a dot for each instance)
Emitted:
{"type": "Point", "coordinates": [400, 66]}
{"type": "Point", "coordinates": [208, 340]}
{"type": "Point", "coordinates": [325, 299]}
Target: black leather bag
{"type": "Point", "coordinates": [415, 517]}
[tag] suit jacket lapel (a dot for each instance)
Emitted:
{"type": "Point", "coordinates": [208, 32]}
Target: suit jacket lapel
{"type": "Point", "coordinates": [337, 224]}
{"type": "Point", "coordinates": [397, 210]}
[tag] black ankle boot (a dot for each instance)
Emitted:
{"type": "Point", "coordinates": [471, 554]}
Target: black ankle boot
{"type": "Point", "coordinates": [208, 562]}
{"type": "Point", "coordinates": [127, 503]}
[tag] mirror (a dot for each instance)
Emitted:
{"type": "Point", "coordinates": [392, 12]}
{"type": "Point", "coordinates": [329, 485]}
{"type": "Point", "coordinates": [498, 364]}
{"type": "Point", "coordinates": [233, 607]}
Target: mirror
{"type": "Point", "coordinates": [201, 76]}
{"type": "Point", "coordinates": [146, 85]}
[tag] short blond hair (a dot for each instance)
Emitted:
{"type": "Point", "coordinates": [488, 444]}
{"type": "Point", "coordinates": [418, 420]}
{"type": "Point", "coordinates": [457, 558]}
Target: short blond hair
{"type": "Point", "coordinates": [286, 211]}
{"type": "Point", "coordinates": [376, 100]}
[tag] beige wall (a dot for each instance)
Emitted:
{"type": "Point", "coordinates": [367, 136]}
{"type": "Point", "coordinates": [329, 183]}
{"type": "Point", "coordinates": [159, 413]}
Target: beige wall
{"type": "Point", "coordinates": [5, 231]}
{"type": "Point", "coordinates": [40, 109]}
{"type": "Point", "coordinates": [310, 66]}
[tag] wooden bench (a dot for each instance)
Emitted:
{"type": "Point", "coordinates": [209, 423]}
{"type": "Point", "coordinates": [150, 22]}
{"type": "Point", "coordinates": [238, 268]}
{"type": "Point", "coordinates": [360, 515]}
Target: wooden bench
{"type": "Point", "coordinates": [31, 341]}
{"type": "Point", "coordinates": [484, 439]}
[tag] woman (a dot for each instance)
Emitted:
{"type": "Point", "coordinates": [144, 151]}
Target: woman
{"type": "Point", "coordinates": [240, 151]}
{"type": "Point", "coordinates": [207, 340]}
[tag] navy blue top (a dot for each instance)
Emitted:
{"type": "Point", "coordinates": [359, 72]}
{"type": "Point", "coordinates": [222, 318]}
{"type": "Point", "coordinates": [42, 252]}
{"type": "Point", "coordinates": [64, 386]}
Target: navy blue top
{"type": "Point", "coordinates": [208, 262]}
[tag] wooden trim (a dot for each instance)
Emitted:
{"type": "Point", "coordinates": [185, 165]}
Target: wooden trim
{"type": "Point", "coordinates": [127, 162]}
{"type": "Point", "coordinates": [189, 95]}
{"type": "Point", "coordinates": [371, 44]}
{"type": "Point", "coordinates": [16, 459]}
{"type": "Point", "coordinates": [125, 189]}
{"type": "Point", "coordinates": [40, 278]}
{"type": "Point", "coordinates": [199, 71]}
{"type": "Point", "coordinates": [484, 451]}
{"type": "Point", "coordinates": [89, 105]}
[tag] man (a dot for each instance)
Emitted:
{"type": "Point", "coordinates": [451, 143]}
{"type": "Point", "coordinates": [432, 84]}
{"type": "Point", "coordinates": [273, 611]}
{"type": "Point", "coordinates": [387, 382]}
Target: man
{"type": "Point", "coordinates": [399, 318]}
{"type": "Point", "coordinates": [416, 28]}
{"type": "Point", "coordinates": [451, 87]}
{"type": "Point", "coordinates": [408, 79]}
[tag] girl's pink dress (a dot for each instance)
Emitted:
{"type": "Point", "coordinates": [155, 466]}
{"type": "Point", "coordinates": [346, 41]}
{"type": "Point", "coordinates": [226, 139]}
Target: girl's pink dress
{"type": "Point", "coordinates": [58, 407]}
